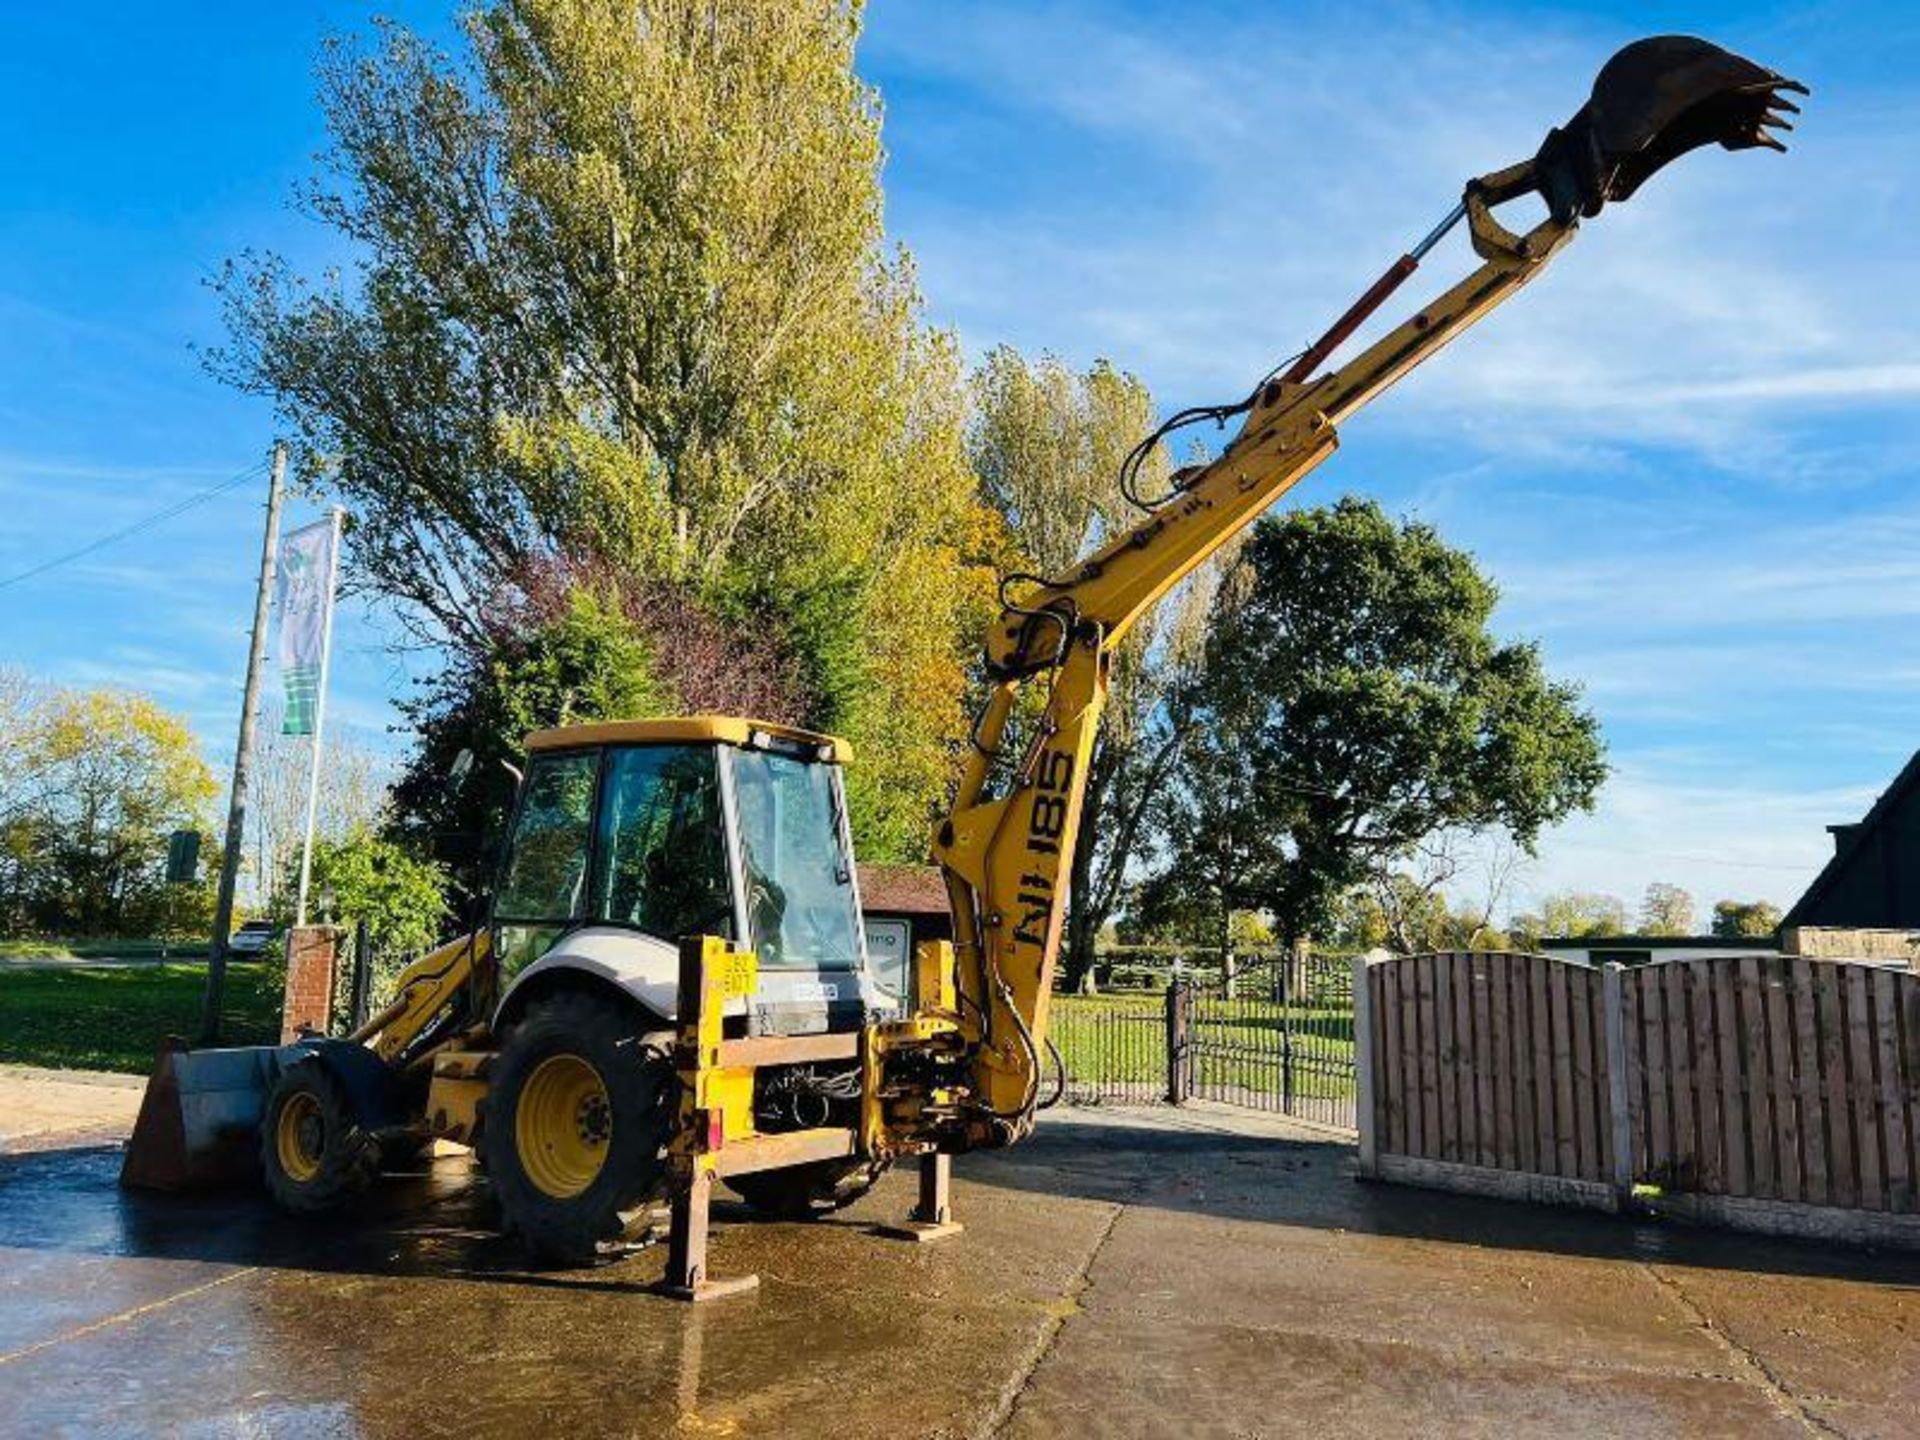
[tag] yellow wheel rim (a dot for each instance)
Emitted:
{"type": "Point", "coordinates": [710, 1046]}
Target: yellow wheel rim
{"type": "Point", "coordinates": [563, 1125]}
{"type": "Point", "coordinates": [300, 1137]}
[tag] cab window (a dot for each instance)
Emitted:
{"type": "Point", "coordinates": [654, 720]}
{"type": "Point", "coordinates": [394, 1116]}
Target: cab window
{"type": "Point", "coordinates": [661, 860]}
{"type": "Point", "coordinates": [799, 877]}
{"type": "Point", "coordinates": [547, 862]}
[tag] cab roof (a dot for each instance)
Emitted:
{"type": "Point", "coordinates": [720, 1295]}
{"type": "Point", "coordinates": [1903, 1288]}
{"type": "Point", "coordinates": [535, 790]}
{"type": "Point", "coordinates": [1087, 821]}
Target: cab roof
{"type": "Point", "coordinates": [689, 730]}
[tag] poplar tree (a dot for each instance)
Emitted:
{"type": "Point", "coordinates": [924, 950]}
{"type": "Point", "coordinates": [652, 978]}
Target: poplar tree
{"type": "Point", "coordinates": [621, 296]}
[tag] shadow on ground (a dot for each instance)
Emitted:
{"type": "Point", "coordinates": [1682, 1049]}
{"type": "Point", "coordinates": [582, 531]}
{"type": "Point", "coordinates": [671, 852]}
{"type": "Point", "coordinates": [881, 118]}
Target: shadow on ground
{"type": "Point", "coordinates": [1281, 1180]}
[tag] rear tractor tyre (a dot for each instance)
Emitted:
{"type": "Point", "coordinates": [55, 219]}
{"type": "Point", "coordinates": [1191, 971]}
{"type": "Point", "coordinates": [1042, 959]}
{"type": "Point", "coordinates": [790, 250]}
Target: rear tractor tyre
{"type": "Point", "coordinates": [574, 1130]}
{"type": "Point", "coordinates": [316, 1156]}
{"type": "Point", "coordinates": [805, 1192]}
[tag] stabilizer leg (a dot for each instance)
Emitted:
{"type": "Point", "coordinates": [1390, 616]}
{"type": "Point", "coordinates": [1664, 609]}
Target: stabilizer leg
{"type": "Point", "coordinates": [686, 1277]}
{"type": "Point", "coordinates": [932, 1219]}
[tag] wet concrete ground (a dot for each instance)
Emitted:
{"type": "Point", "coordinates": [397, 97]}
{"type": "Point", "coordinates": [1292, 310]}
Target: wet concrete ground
{"type": "Point", "coordinates": [1124, 1273]}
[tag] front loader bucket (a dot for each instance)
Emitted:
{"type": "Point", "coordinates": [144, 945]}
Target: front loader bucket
{"type": "Point", "coordinates": [200, 1119]}
{"type": "Point", "coordinates": [1654, 101]}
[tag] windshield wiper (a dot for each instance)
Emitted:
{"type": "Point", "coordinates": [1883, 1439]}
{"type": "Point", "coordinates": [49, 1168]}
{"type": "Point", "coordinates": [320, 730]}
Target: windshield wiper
{"type": "Point", "coordinates": [842, 871]}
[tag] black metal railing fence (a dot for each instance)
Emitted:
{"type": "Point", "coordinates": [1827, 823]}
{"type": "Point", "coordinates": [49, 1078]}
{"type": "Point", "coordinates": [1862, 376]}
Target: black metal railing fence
{"type": "Point", "coordinates": [1271, 1032]}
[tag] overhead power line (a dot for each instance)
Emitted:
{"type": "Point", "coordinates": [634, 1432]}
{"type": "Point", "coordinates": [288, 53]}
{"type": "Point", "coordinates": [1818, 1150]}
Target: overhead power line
{"type": "Point", "coordinates": [158, 517]}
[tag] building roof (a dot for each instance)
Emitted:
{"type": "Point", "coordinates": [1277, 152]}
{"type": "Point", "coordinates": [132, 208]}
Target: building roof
{"type": "Point", "coordinates": [688, 729]}
{"type": "Point", "coordinates": [1662, 942]}
{"type": "Point", "coordinates": [903, 890]}
{"type": "Point", "coordinates": [1850, 840]}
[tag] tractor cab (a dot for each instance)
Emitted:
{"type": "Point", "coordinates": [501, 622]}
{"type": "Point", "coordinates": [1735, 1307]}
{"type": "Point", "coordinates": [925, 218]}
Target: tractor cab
{"type": "Point", "coordinates": [629, 835]}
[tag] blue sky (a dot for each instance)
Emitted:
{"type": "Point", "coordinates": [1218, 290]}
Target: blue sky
{"type": "Point", "coordinates": [1686, 455]}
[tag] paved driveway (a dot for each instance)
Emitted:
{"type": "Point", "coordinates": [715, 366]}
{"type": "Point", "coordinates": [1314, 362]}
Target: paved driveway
{"type": "Point", "coordinates": [43, 1108]}
{"type": "Point", "coordinates": [1125, 1274]}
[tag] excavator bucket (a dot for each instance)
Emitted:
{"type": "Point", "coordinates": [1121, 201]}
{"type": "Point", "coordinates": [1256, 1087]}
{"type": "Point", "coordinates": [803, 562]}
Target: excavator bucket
{"type": "Point", "coordinates": [1654, 101]}
{"type": "Point", "coordinates": [199, 1122]}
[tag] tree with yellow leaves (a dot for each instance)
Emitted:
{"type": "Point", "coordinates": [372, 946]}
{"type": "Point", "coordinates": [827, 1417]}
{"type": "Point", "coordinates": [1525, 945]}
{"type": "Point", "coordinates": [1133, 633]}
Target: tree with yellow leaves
{"type": "Point", "coordinates": [99, 781]}
{"type": "Point", "coordinates": [623, 302]}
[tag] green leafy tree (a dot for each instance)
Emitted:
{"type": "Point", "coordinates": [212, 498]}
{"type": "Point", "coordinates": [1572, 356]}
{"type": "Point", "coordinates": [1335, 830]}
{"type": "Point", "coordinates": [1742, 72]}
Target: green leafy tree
{"type": "Point", "coordinates": [581, 662]}
{"type": "Point", "coordinates": [1047, 443]}
{"type": "Point", "coordinates": [1573, 915]}
{"type": "Point", "coordinates": [100, 780]}
{"type": "Point", "coordinates": [1399, 912]}
{"type": "Point", "coordinates": [373, 881]}
{"type": "Point", "coordinates": [1743, 919]}
{"type": "Point", "coordinates": [578, 644]}
{"type": "Point", "coordinates": [1225, 856]}
{"type": "Point", "coordinates": [621, 298]}
{"type": "Point", "coordinates": [1358, 684]}
{"type": "Point", "coordinates": [1666, 910]}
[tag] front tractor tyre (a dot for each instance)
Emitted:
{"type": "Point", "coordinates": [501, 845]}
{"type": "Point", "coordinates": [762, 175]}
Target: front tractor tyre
{"type": "Point", "coordinates": [575, 1128]}
{"type": "Point", "coordinates": [314, 1152]}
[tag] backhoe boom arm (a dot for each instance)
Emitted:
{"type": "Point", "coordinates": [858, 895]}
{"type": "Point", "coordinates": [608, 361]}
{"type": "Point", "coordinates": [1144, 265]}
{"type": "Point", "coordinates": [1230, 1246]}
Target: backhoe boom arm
{"type": "Point", "coordinates": [1006, 856]}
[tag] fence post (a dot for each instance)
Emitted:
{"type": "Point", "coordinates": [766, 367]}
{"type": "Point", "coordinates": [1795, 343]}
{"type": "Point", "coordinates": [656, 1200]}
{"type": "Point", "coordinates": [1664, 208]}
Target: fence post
{"type": "Point", "coordinates": [1364, 1120]}
{"type": "Point", "coordinates": [1177, 993]}
{"type": "Point", "coordinates": [1286, 1055]}
{"type": "Point", "coordinates": [1619, 1116]}
{"type": "Point", "coordinates": [362, 975]}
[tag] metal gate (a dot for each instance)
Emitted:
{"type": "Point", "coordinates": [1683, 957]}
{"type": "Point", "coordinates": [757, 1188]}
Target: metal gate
{"type": "Point", "coordinates": [1112, 1048]}
{"type": "Point", "coordinates": [1277, 1035]}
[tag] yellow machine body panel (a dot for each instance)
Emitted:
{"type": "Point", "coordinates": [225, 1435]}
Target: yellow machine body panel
{"type": "Point", "coordinates": [689, 730]}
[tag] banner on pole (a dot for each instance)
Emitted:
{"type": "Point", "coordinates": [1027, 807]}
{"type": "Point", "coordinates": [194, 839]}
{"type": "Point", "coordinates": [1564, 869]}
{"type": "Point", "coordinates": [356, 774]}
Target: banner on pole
{"type": "Point", "coordinates": [304, 591]}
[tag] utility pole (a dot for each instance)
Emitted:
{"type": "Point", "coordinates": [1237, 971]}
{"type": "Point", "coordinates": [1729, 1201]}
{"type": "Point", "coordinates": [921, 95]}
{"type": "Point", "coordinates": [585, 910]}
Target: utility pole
{"type": "Point", "coordinates": [242, 757]}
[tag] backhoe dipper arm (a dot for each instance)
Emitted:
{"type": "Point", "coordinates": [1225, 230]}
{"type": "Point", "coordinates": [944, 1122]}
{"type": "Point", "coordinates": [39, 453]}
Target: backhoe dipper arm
{"type": "Point", "coordinates": [1005, 856]}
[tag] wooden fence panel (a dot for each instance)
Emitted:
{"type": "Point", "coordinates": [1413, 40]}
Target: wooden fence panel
{"type": "Point", "coordinates": [1750, 995]}
{"type": "Point", "coordinates": [1893, 1096]}
{"type": "Point", "coordinates": [1484, 1060]}
{"type": "Point", "coordinates": [1429, 1041]}
{"type": "Point", "coordinates": [1500, 1017]}
{"type": "Point", "coordinates": [1394, 1090]}
{"type": "Point", "coordinates": [1791, 1163]}
{"type": "Point", "coordinates": [1586, 1112]}
{"type": "Point", "coordinates": [1658, 1155]}
{"type": "Point", "coordinates": [1683, 1164]}
{"type": "Point", "coordinates": [1872, 1190]}
{"type": "Point", "coordinates": [1778, 1081]}
{"type": "Point", "coordinates": [1445, 1047]}
{"type": "Point", "coordinates": [1526, 1144]}
{"type": "Point", "coordinates": [1732, 1099]}
{"type": "Point", "coordinates": [1712, 1175]}
{"type": "Point", "coordinates": [1803, 1006]}
{"type": "Point", "coordinates": [1831, 1080]}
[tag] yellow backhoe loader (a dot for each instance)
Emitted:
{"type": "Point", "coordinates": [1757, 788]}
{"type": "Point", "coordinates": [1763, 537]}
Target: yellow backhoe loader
{"type": "Point", "coordinates": [672, 987]}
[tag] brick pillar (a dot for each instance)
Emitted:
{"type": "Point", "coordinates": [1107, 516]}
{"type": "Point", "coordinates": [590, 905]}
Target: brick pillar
{"type": "Point", "coordinates": [309, 998]}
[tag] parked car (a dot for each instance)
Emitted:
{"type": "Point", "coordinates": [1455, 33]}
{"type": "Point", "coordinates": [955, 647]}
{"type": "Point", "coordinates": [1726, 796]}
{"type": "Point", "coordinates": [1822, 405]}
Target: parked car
{"type": "Point", "coordinates": [252, 938]}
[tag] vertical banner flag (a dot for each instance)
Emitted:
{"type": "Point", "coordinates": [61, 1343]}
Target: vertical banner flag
{"type": "Point", "coordinates": [304, 591]}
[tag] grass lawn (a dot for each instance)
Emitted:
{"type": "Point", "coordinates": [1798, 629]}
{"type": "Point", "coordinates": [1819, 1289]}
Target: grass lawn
{"type": "Point", "coordinates": [90, 949]}
{"type": "Point", "coordinates": [112, 1019]}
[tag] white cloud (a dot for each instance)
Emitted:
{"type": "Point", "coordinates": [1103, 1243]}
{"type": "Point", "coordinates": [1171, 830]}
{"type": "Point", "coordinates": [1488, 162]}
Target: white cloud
{"type": "Point", "coordinates": [1239, 192]}
{"type": "Point", "coordinates": [1716, 840]}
